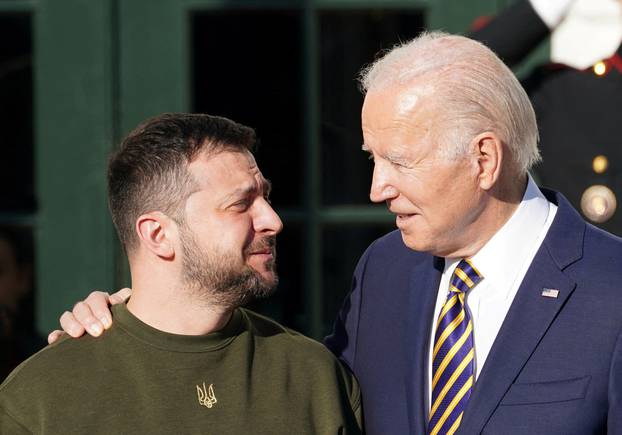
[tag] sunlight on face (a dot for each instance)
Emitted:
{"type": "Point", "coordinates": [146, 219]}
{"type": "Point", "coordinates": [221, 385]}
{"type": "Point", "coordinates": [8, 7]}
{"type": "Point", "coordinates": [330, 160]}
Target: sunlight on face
{"type": "Point", "coordinates": [229, 230]}
{"type": "Point", "coordinates": [432, 197]}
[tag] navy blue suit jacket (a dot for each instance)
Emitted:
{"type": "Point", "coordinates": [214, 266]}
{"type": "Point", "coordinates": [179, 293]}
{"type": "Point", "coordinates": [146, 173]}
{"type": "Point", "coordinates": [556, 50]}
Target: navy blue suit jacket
{"type": "Point", "coordinates": [554, 368]}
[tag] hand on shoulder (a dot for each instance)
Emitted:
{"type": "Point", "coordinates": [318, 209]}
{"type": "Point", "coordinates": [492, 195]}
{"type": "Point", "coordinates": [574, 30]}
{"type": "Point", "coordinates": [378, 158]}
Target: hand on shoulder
{"type": "Point", "coordinates": [91, 315]}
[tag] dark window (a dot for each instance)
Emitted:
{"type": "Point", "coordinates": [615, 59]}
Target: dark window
{"type": "Point", "coordinates": [350, 40]}
{"type": "Point", "coordinates": [258, 67]}
{"type": "Point", "coordinates": [247, 67]}
{"type": "Point", "coordinates": [18, 338]}
{"type": "Point", "coordinates": [16, 135]}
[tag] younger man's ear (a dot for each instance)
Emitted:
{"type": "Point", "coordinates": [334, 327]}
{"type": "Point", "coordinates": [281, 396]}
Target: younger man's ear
{"type": "Point", "coordinates": [157, 232]}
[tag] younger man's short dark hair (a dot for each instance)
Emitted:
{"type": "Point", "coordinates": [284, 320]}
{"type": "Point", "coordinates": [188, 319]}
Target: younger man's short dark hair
{"type": "Point", "coordinates": [149, 170]}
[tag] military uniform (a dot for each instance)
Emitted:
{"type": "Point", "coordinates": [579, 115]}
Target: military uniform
{"type": "Point", "coordinates": [578, 111]}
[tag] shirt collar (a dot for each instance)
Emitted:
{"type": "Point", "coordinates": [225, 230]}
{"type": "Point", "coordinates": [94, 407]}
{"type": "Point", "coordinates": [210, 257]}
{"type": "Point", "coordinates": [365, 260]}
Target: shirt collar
{"type": "Point", "coordinates": [502, 257]}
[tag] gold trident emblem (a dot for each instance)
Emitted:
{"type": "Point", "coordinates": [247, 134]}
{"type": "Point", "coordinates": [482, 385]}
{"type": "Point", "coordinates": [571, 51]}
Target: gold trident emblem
{"type": "Point", "coordinates": [206, 396]}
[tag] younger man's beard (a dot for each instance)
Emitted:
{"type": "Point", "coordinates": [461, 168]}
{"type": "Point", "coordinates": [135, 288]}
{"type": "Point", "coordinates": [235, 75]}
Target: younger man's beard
{"type": "Point", "coordinates": [217, 278]}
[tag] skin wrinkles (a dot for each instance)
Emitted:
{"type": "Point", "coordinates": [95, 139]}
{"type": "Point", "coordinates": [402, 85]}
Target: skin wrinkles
{"type": "Point", "coordinates": [217, 255]}
{"type": "Point", "coordinates": [395, 158]}
{"type": "Point", "coordinates": [237, 199]}
{"type": "Point", "coordinates": [263, 188]}
{"type": "Point", "coordinates": [440, 204]}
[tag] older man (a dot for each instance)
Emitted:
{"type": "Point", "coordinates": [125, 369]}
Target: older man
{"type": "Point", "coordinates": [495, 308]}
{"type": "Point", "coordinates": [191, 209]}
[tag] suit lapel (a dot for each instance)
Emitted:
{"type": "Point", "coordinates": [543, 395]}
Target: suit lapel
{"type": "Point", "coordinates": [529, 317]}
{"type": "Point", "coordinates": [424, 283]}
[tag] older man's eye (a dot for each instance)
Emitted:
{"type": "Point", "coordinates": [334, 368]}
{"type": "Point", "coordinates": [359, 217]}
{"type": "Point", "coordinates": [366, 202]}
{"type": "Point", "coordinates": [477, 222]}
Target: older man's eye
{"type": "Point", "coordinates": [401, 165]}
{"type": "Point", "coordinates": [241, 205]}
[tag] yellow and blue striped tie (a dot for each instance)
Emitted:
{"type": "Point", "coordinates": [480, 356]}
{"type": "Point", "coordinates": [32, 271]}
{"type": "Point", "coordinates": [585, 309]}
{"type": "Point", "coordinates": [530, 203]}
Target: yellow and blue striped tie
{"type": "Point", "coordinates": [452, 359]}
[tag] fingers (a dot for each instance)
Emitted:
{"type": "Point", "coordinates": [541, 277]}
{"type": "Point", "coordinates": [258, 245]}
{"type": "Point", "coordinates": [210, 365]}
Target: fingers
{"type": "Point", "coordinates": [96, 313]}
{"type": "Point", "coordinates": [120, 296]}
{"type": "Point", "coordinates": [70, 325]}
{"type": "Point", "coordinates": [91, 315]}
{"type": "Point", "coordinates": [55, 335]}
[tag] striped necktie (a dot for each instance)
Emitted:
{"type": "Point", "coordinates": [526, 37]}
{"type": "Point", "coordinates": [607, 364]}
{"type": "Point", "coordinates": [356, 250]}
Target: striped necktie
{"type": "Point", "coordinates": [452, 359]}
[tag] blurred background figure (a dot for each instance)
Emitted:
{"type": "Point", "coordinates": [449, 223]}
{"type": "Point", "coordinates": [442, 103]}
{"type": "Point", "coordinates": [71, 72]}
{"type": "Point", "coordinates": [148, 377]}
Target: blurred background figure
{"type": "Point", "coordinates": [576, 96]}
{"type": "Point", "coordinates": [18, 339]}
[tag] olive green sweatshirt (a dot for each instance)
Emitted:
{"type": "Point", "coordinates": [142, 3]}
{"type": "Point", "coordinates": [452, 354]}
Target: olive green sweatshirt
{"type": "Point", "coordinates": [252, 377]}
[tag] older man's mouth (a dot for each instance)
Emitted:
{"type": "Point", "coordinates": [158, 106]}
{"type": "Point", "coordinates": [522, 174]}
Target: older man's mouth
{"type": "Point", "coordinates": [402, 219]}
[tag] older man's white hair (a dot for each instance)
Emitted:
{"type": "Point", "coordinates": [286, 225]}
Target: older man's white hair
{"type": "Point", "coordinates": [474, 90]}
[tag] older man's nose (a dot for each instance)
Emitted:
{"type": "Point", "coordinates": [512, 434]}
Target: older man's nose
{"type": "Point", "coordinates": [381, 187]}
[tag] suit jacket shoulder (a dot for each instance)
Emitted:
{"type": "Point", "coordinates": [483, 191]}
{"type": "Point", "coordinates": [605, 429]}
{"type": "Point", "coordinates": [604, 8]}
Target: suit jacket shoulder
{"type": "Point", "coordinates": [553, 364]}
{"type": "Point", "coordinates": [381, 332]}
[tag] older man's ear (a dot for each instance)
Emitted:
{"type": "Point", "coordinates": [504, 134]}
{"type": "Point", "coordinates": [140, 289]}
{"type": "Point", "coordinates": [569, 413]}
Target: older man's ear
{"type": "Point", "coordinates": [91, 315]}
{"type": "Point", "coordinates": [488, 150]}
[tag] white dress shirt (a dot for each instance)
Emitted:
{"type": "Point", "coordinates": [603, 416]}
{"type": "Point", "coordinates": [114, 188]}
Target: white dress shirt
{"type": "Point", "coordinates": [503, 262]}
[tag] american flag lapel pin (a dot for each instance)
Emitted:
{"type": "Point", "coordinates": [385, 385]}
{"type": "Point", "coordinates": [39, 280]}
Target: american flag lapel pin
{"type": "Point", "coordinates": [550, 292]}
